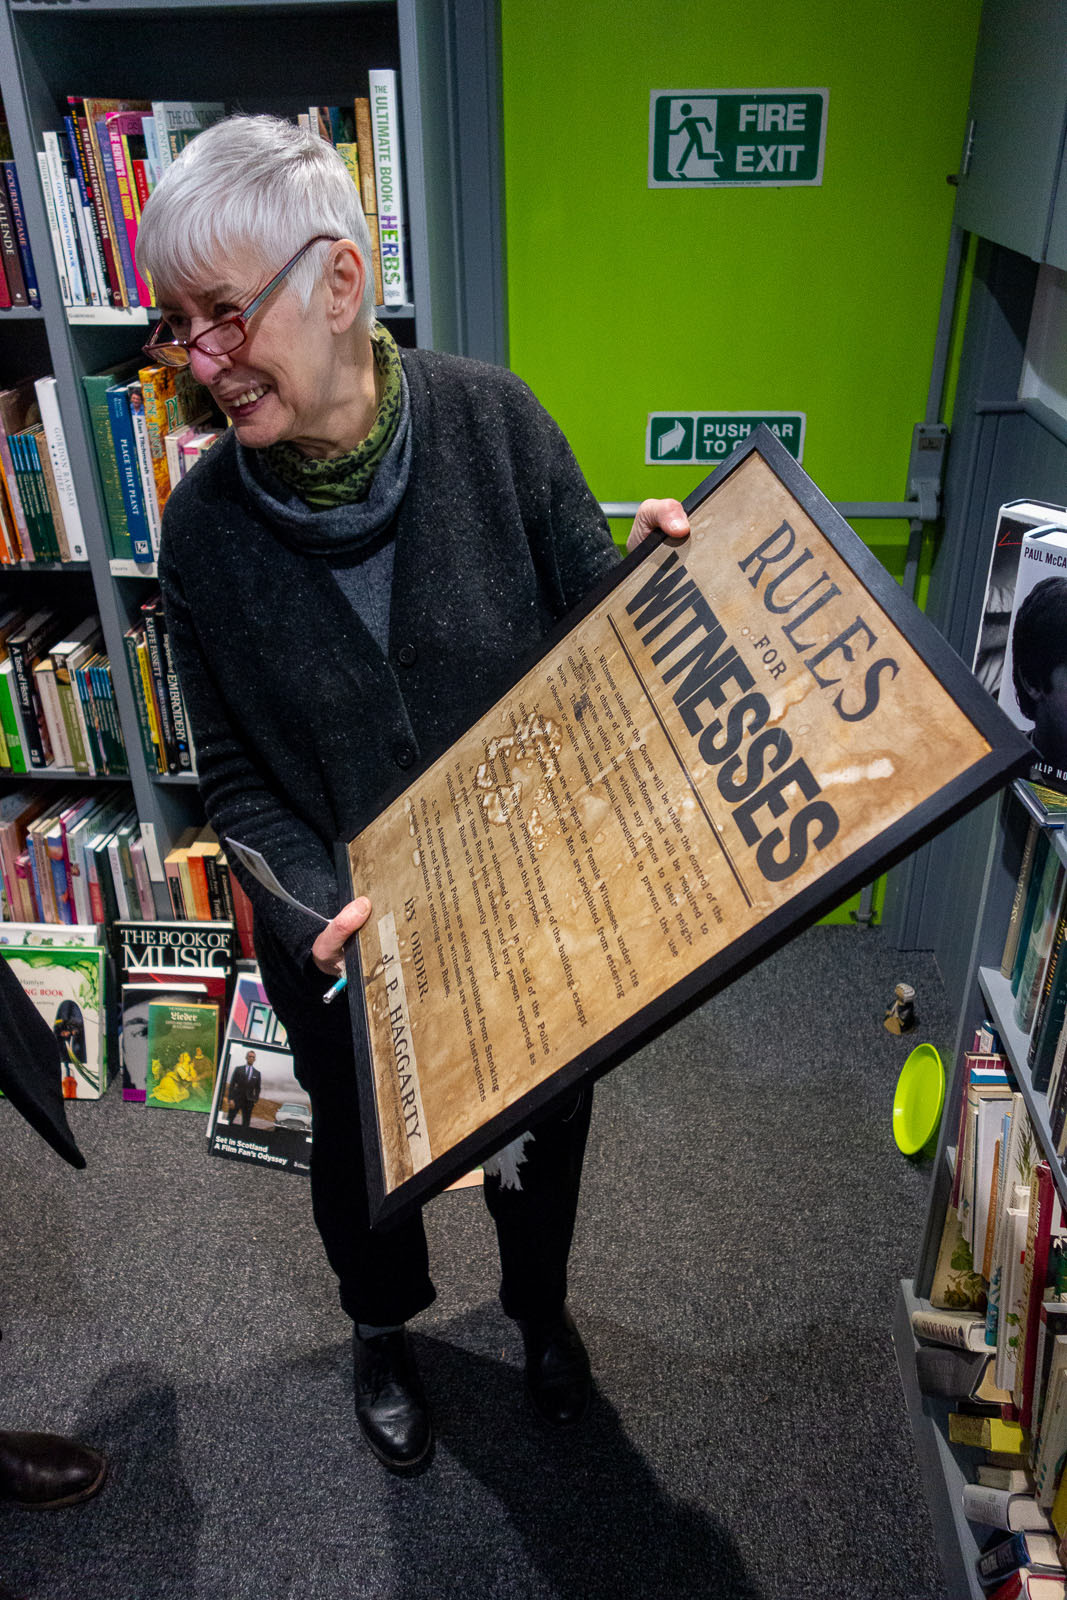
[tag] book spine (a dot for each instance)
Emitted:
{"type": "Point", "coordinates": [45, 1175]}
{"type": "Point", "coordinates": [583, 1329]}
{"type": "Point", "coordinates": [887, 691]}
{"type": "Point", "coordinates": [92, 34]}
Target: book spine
{"type": "Point", "coordinates": [96, 387]}
{"type": "Point", "coordinates": [45, 519]}
{"type": "Point", "coordinates": [175, 702]}
{"type": "Point", "coordinates": [151, 613]}
{"type": "Point", "coordinates": [48, 401]}
{"type": "Point", "coordinates": [102, 141]}
{"type": "Point", "coordinates": [5, 292]}
{"type": "Point", "coordinates": [95, 184]}
{"type": "Point", "coordinates": [104, 694]}
{"type": "Point", "coordinates": [145, 469]}
{"type": "Point", "coordinates": [385, 133]}
{"type": "Point", "coordinates": [22, 237]}
{"type": "Point", "coordinates": [133, 664]}
{"type": "Point", "coordinates": [61, 197]}
{"type": "Point", "coordinates": [11, 719]}
{"type": "Point", "coordinates": [84, 691]}
{"type": "Point", "coordinates": [94, 244]}
{"type": "Point", "coordinates": [34, 545]}
{"type": "Point", "coordinates": [53, 229]}
{"type": "Point", "coordinates": [149, 695]}
{"type": "Point", "coordinates": [158, 387]}
{"type": "Point", "coordinates": [44, 456]}
{"type": "Point", "coordinates": [9, 250]}
{"type": "Point", "coordinates": [21, 659]}
{"type": "Point", "coordinates": [118, 401]}
{"type": "Point", "coordinates": [174, 888]}
{"type": "Point", "coordinates": [91, 272]}
{"type": "Point", "coordinates": [127, 207]}
{"type": "Point", "coordinates": [71, 721]}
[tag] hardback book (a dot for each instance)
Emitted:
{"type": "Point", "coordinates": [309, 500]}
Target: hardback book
{"type": "Point", "coordinates": [1048, 908]}
{"type": "Point", "coordinates": [998, 1508]}
{"type": "Point", "coordinates": [10, 262]}
{"type": "Point", "coordinates": [1051, 1356]}
{"type": "Point", "coordinates": [1014, 520]}
{"type": "Point", "coordinates": [1009, 1328]}
{"type": "Point", "coordinates": [175, 947]}
{"type": "Point", "coordinates": [964, 1330]}
{"type": "Point", "coordinates": [134, 1001]}
{"type": "Point", "coordinates": [67, 985]}
{"type": "Point", "coordinates": [22, 238]}
{"type": "Point", "coordinates": [1017, 1480]}
{"type": "Point", "coordinates": [183, 1044]}
{"type": "Point", "coordinates": [1029, 1583]}
{"type": "Point", "coordinates": [179, 121]}
{"type": "Point", "coordinates": [956, 1285]}
{"type": "Point", "coordinates": [1051, 1450]}
{"type": "Point", "coordinates": [96, 386]}
{"type": "Point", "coordinates": [1037, 1550]}
{"type": "Point", "coordinates": [1045, 1218]}
{"type": "Point", "coordinates": [125, 447]}
{"type": "Point", "coordinates": [389, 184]}
{"type": "Point", "coordinates": [50, 933]}
{"type": "Point", "coordinates": [1036, 657]}
{"type": "Point", "coordinates": [70, 260]}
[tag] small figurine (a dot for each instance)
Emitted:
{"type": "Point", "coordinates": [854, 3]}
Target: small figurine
{"type": "Point", "coordinates": [901, 1014]}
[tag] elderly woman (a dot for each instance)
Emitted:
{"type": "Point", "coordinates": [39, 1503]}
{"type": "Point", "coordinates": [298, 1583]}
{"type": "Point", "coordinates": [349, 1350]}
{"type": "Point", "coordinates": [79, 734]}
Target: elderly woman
{"type": "Point", "coordinates": [350, 576]}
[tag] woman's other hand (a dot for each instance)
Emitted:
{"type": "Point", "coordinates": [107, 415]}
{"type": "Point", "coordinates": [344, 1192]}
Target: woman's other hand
{"type": "Point", "coordinates": [653, 514]}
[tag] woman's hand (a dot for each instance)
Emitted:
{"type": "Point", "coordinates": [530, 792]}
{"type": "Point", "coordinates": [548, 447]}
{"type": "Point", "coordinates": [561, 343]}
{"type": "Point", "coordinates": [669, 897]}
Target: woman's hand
{"type": "Point", "coordinates": [328, 951]}
{"type": "Point", "coordinates": [653, 514]}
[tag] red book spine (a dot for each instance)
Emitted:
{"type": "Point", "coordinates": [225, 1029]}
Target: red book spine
{"type": "Point", "coordinates": [92, 184]}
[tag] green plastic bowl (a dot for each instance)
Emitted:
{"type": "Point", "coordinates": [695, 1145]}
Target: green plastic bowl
{"type": "Point", "coordinates": [918, 1100]}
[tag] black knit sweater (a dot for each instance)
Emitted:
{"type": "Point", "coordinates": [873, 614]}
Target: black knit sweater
{"type": "Point", "coordinates": [301, 723]}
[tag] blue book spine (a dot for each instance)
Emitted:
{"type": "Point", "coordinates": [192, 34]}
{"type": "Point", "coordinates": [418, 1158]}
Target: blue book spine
{"type": "Point", "coordinates": [122, 243]}
{"type": "Point", "coordinates": [1004, 1557]}
{"type": "Point", "coordinates": [22, 238]}
{"type": "Point", "coordinates": [118, 407]}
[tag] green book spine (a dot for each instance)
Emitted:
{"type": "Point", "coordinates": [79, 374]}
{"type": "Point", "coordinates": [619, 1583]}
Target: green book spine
{"type": "Point", "coordinates": [96, 386]}
{"type": "Point", "coordinates": [1037, 873]}
{"type": "Point", "coordinates": [44, 505]}
{"type": "Point", "coordinates": [9, 721]}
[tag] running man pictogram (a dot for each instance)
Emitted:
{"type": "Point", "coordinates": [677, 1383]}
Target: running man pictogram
{"type": "Point", "coordinates": [693, 126]}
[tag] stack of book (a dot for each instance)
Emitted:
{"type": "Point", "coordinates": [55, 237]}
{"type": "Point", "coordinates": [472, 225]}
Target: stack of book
{"type": "Point", "coordinates": [39, 516]}
{"type": "Point", "coordinates": [72, 859]}
{"type": "Point", "coordinates": [367, 135]}
{"type": "Point", "coordinates": [174, 985]}
{"type": "Point", "coordinates": [18, 275]}
{"type": "Point", "coordinates": [202, 888]}
{"type": "Point", "coordinates": [57, 701]}
{"type": "Point", "coordinates": [164, 727]}
{"type": "Point", "coordinates": [1034, 959]}
{"type": "Point", "coordinates": [150, 425]}
{"type": "Point", "coordinates": [96, 174]}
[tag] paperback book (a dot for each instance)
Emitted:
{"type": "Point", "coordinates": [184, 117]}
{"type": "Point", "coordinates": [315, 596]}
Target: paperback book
{"type": "Point", "coordinates": [67, 984]}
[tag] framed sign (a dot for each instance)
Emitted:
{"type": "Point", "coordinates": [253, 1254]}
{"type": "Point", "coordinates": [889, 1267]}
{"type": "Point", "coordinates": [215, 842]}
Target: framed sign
{"type": "Point", "coordinates": [731, 734]}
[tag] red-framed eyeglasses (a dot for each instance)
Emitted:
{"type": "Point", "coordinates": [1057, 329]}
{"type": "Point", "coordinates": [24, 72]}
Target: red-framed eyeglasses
{"type": "Point", "coordinates": [228, 334]}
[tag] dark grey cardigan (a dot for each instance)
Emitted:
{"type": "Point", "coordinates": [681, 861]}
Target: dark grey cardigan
{"type": "Point", "coordinates": [301, 723]}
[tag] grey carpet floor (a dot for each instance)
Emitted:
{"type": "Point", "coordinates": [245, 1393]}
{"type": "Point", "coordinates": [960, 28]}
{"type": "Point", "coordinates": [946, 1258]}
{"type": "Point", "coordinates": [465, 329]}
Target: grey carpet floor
{"type": "Point", "coordinates": [745, 1219]}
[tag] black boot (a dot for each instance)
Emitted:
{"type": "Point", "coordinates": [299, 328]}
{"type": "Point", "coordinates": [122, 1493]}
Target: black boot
{"type": "Point", "coordinates": [558, 1380]}
{"type": "Point", "coordinates": [42, 1471]}
{"type": "Point", "coordinates": [390, 1405]}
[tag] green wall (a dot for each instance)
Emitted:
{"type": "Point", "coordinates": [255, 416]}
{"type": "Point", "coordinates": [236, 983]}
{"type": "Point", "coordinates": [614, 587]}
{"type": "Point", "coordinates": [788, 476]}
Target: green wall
{"type": "Point", "coordinates": [625, 299]}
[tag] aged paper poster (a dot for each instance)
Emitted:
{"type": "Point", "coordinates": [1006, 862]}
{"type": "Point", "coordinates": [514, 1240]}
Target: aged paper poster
{"type": "Point", "coordinates": [726, 735]}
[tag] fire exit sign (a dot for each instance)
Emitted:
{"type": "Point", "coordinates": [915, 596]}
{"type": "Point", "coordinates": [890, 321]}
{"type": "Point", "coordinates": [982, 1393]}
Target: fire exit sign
{"type": "Point", "coordinates": [736, 138]}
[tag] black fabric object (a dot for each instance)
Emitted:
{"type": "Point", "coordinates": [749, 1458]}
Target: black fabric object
{"type": "Point", "coordinates": [30, 1067]}
{"type": "Point", "coordinates": [384, 1273]}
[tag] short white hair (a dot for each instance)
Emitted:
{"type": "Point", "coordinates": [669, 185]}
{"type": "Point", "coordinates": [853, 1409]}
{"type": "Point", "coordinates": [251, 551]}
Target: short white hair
{"type": "Point", "coordinates": [259, 185]}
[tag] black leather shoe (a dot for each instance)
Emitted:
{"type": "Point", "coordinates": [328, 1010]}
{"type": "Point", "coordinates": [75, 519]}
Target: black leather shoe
{"type": "Point", "coordinates": [390, 1406]}
{"type": "Point", "coordinates": [558, 1381]}
{"type": "Point", "coordinates": [42, 1472]}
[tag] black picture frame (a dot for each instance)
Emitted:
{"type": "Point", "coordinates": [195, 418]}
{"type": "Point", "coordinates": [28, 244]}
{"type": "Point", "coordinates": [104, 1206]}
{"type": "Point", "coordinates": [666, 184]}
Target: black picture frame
{"type": "Point", "coordinates": [1009, 755]}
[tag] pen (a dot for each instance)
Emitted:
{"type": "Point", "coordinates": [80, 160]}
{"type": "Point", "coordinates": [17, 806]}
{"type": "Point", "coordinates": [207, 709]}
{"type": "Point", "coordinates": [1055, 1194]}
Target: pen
{"type": "Point", "coordinates": [338, 988]}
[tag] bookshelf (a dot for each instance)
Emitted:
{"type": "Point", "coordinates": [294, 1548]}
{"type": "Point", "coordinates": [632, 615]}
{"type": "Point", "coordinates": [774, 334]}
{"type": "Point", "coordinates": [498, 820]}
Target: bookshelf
{"type": "Point", "coordinates": [254, 55]}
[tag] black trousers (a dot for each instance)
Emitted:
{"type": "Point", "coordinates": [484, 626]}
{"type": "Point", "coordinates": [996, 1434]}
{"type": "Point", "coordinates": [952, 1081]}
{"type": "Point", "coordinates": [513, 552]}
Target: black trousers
{"type": "Point", "coordinates": [383, 1274]}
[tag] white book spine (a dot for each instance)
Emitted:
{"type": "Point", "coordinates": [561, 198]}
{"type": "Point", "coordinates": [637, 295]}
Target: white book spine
{"type": "Point", "coordinates": [48, 400]}
{"type": "Point", "coordinates": [114, 856]}
{"type": "Point", "coordinates": [53, 228]}
{"type": "Point", "coordinates": [385, 135]}
{"type": "Point", "coordinates": [67, 234]}
{"type": "Point", "coordinates": [53, 716]}
{"type": "Point", "coordinates": [85, 239]}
